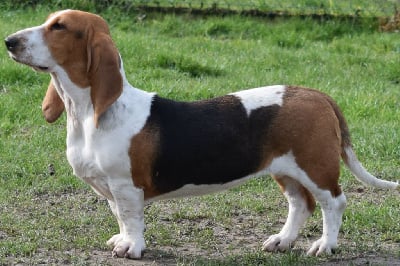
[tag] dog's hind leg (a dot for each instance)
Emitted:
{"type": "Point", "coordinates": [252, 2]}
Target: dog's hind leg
{"type": "Point", "coordinates": [321, 179]}
{"type": "Point", "coordinates": [332, 211]}
{"type": "Point", "coordinates": [301, 206]}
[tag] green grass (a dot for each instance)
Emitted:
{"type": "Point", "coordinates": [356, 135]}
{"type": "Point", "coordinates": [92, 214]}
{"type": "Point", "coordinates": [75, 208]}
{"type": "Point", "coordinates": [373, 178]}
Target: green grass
{"type": "Point", "coordinates": [356, 8]}
{"type": "Point", "coordinates": [58, 219]}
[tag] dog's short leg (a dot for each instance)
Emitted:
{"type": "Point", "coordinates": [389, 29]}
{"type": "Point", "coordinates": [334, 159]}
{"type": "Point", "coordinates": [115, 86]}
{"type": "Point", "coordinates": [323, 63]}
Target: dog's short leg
{"type": "Point", "coordinates": [301, 206]}
{"type": "Point", "coordinates": [113, 241]}
{"type": "Point", "coordinates": [128, 207]}
{"type": "Point", "coordinates": [332, 211]}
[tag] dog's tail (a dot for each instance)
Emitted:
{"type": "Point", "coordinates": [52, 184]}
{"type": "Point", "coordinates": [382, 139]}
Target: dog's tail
{"type": "Point", "coordinates": [350, 158]}
{"type": "Point", "coordinates": [351, 161]}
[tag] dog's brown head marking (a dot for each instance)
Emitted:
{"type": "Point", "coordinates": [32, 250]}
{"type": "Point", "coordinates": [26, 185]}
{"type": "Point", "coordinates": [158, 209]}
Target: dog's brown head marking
{"type": "Point", "coordinates": [81, 44]}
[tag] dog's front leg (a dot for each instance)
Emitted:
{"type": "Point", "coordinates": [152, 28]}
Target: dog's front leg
{"type": "Point", "coordinates": [113, 241]}
{"type": "Point", "coordinates": [128, 206]}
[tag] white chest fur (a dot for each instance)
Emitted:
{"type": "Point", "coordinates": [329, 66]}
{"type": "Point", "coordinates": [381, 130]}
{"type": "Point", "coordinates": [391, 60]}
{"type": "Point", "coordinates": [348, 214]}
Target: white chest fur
{"type": "Point", "coordinates": [97, 155]}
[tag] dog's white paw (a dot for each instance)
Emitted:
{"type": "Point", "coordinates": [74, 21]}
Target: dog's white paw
{"type": "Point", "coordinates": [125, 248]}
{"type": "Point", "coordinates": [113, 241]}
{"type": "Point", "coordinates": [321, 246]}
{"type": "Point", "coordinates": [277, 243]}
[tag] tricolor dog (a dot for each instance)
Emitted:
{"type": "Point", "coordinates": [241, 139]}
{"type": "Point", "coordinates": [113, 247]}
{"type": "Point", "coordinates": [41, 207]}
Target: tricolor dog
{"type": "Point", "coordinates": [133, 147]}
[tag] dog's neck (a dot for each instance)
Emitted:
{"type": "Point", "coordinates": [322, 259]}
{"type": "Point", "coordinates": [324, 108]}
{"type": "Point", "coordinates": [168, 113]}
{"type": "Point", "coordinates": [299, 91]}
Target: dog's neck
{"type": "Point", "coordinates": [76, 100]}
{"type": "Point", "coordinates": [79, 107]}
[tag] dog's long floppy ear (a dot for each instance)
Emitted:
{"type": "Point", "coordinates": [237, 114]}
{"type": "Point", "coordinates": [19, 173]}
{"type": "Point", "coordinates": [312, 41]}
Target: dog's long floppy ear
{"type": "Point", "coordinates": [103, 70]}
{"type": "Point", "coordinates": [52, 105]}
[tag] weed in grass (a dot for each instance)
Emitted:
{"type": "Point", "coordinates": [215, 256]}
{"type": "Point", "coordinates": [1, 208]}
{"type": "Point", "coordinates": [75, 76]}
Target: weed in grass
{"type": "Point", "coordinates": [218, 30]}
{"type": "Point", "coordinates": [186, 66]}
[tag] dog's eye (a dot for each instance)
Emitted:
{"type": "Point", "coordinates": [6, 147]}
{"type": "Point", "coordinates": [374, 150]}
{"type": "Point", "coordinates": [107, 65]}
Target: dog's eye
{"type": "Point", "coordinates": [57, 26]}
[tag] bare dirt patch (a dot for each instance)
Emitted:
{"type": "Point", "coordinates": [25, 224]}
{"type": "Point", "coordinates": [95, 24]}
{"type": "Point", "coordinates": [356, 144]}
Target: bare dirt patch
{"type": "Point", "coordinates": [188, 232]}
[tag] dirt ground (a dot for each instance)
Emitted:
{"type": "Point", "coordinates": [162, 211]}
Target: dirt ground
{"type": "Point", "coordinates": [230, 242]}
{"type": "Point", "coordinates": [156, 257]}
{"type": "Point", "coordinates": [243, 235]}
{"type": "Point", "coordinates": [169, 256]}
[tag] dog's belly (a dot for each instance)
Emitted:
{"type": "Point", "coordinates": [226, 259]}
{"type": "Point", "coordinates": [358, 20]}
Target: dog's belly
{"type": "Point", "coordinates": [190, 190]}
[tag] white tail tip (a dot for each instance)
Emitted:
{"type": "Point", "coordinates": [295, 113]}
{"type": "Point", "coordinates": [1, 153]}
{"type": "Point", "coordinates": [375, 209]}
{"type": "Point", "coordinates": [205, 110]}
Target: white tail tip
{"type": "Point", "coordinates": [363, 175]}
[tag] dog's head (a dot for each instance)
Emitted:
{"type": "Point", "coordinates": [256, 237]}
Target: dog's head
{"type": "Point", "coordinates": [80, 44]}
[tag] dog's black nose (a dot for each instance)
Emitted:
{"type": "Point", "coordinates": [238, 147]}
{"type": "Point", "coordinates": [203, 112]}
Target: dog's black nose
{"type": "Point", "coordinates": [11, 43]}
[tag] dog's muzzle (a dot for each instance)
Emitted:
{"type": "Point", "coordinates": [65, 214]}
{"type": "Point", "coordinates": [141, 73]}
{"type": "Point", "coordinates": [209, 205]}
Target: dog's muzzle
{"type": "Point", "coordinates": [12, 43]}
{"type": "Point", "coordinates": [15, 46]}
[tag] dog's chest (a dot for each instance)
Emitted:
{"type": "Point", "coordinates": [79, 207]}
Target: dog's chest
{"type": "Point", "coordinates": [98, 153]}
{"type": "Point", "coordinates": [103, 152]}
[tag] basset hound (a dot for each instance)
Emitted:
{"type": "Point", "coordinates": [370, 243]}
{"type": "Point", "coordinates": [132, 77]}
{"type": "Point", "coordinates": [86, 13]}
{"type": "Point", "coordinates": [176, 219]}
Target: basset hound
{"type": "Point", "coordinates": [133, 147]}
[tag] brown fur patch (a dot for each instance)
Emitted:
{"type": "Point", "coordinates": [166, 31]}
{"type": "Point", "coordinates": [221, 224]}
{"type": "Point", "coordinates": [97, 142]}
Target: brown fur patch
{"type": "Point", "coordinates": [80, 42]}
{"type": "Point", "coordinates": [143, 150]}
{"type": "Point", "coordinates": [308, 126]}
{"type": "Point", "coordinates": [52, 105]}
{"type": "Point", "coordinates": [69, 51]}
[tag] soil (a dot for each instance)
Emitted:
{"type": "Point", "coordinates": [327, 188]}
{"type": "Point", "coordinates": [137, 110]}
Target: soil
{"type": "Point", "coordinates": [244, 235]}
{"type": "Point", "coordinates": [230, 242]}
{"type": "Point", "coordinates": [169, 256]}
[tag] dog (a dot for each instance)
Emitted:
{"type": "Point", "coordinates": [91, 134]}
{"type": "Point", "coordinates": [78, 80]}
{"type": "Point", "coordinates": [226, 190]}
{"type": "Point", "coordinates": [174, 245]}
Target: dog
{"type": "Point", "coordinates": [134, 147]}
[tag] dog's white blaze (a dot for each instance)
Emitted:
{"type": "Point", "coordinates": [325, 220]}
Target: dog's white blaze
{"type": "Point", "coordinates": [261, 97]}
{"type": "Point", "coordinates": [38, 48]}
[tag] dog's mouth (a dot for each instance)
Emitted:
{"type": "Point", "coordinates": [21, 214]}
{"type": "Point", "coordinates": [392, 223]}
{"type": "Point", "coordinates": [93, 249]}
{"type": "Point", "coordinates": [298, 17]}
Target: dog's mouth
{"type": "Point", "coordinates": [38, 68]}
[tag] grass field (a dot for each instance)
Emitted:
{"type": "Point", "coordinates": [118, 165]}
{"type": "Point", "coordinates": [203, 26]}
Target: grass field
{"type": "Point", "coordinates": [356, 8]}
{"type": "Point", "coordinates": [57, 219]}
